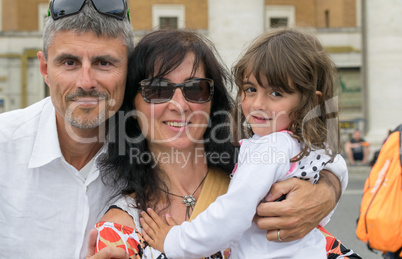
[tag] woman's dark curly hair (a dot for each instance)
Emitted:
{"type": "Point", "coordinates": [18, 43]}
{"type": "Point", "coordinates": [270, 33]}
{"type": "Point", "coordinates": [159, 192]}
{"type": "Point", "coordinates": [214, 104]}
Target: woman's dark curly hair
{"type": "Point", "coordinates": [157, 54]}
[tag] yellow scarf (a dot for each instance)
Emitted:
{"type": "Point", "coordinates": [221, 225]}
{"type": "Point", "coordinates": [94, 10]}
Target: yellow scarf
{"type": "Point", "coordinates": [216, 184]}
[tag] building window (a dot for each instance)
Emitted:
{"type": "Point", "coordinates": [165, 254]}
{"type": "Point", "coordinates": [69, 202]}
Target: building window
{"type": "Point", "coordinates": [165, 16]}
{"type": "Point", "coordinates": [279, 22]}
{"type": "Point", "coordinates": [326, 18]}
{"type": "Point", "coordinates": [350, 89]}
{"type": "Point", "coordinates": [279, 16]}
{"type": "Point", "coordinates": [42, 14]}
{"type": "Point", "coordinates": [168, 22]}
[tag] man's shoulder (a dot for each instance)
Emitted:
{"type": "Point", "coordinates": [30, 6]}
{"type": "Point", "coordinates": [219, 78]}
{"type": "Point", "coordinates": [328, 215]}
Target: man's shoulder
{"type": "Point", "coordinates": [352, 140]}
{"type": "Point", "coordinates": [21, 122]}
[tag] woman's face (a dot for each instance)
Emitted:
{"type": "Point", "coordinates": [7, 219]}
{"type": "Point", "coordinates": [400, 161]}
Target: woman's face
{"type": "Point", "coordinates": [176, 124]}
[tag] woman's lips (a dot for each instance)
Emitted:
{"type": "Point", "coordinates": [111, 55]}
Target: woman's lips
{"type": "Point", "coordinates": [176, 124]}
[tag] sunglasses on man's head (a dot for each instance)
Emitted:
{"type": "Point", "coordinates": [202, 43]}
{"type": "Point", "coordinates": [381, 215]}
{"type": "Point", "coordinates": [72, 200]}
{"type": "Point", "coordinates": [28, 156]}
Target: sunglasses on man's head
{"type": "Point", "coordinates": [196, 90]}
{"type": "Point", "coordinates": [114, 8]}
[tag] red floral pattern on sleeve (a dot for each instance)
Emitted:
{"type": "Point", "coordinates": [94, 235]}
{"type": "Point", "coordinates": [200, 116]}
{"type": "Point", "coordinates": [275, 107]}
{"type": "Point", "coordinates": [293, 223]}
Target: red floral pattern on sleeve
{"type": "Point", "coordinates": [129, 239]}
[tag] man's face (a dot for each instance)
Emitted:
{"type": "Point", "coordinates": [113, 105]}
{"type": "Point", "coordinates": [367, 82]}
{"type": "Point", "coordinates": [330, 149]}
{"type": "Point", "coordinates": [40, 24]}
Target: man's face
{"type": "Point", "coordinates": [356, 135]}
{"type": "Point", "coordinates": [86, 75]}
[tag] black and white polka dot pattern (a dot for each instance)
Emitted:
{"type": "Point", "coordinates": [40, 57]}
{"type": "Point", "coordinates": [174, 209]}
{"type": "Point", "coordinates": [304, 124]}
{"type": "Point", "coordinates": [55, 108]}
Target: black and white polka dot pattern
{"type": "Point", "coordinates": [310, 166]}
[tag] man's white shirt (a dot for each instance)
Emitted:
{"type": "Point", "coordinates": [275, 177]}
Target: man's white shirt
{"type": "Point", "coordinates": [47, 207]}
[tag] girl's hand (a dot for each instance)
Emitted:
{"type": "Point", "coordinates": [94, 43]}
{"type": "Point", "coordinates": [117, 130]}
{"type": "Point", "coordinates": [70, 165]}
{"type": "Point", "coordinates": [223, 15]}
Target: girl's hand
{"type": "Point", "coordinates": [154, 229]}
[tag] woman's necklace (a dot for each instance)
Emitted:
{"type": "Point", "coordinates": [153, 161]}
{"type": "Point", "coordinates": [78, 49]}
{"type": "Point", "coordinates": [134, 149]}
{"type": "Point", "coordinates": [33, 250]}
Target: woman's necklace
{"type": "Point", "coordinates": [189, 200]}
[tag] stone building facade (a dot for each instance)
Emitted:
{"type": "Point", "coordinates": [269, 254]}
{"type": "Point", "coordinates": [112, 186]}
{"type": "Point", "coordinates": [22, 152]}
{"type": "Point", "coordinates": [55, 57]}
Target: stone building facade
{"type": "Point", "coordinates": [230, 24]}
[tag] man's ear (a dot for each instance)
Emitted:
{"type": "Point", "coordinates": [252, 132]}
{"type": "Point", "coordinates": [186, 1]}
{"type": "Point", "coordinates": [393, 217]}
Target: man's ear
{"type": "Point", "coordinates": [43, 66]}
{"type": "Point", "coordinates": [318, 96]}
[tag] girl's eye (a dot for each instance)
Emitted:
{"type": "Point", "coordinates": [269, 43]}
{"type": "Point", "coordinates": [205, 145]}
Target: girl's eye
{"type": "Point", "coordinates": [276, 94]}
{"type": "Point", "coordinates": [250, 90]}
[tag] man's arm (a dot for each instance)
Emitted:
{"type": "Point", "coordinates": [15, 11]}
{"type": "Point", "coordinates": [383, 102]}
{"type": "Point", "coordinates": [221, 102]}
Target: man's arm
{"type": "Point", "coordinates": [106, 253]}
{"type": "Point", "coordinates": [302, 210]}
{"type": "Point", "coordinates": [366, 152]}
{"type": "Point", "coordinates": [330, 179]}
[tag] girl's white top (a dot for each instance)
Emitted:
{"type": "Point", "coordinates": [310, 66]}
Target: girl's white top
{"type": "Point", "coordinates": [228, 221]}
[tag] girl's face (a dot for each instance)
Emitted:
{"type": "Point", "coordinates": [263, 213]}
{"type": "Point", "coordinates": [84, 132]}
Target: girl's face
{"type": "Point", "coordinates": [176, 124]}
{"type": "Point", "coordinates": [266, 110]}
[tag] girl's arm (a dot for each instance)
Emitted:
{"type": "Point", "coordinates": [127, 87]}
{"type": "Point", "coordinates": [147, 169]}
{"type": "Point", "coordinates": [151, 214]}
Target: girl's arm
{"type": "Point", "coordinates": [231, 214]}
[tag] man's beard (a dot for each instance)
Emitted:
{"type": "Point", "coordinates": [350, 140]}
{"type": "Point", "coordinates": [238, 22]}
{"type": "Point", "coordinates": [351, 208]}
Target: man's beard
{"type": "Point", "coordinates": [87, 123]}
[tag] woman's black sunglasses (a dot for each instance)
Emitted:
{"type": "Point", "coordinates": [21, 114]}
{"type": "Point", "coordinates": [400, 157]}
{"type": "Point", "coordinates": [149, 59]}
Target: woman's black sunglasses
{"type": "Point", "coordinates": [114, 8]}
{"type": "Point", "coordinates": [196, 90]}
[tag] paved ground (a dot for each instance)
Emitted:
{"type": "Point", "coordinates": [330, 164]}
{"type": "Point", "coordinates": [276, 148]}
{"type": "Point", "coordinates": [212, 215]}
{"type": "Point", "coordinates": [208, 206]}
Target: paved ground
{"type": "Point", "coordinates": [343, 222]}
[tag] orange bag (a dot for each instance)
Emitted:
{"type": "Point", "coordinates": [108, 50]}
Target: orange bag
{"type": "Point", "coordinates": [380, 220]}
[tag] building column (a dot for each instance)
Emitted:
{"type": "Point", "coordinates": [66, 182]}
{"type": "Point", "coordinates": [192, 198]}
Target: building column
{"type": "Point", "coordinates": [233, 24]}
{"type": "Point", "coordinates": [383, 67]}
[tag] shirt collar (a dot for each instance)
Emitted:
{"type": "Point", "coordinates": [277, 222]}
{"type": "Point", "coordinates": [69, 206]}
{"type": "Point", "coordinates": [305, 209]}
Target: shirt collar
{"type": "Point", "coordinates": [46, 147]}
{"type": "Point", "coordinates": [95, 167]}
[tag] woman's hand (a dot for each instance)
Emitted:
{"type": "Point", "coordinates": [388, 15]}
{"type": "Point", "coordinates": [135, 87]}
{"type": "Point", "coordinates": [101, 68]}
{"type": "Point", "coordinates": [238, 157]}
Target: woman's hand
{"type": "Point", "coordinates": [305, 206]}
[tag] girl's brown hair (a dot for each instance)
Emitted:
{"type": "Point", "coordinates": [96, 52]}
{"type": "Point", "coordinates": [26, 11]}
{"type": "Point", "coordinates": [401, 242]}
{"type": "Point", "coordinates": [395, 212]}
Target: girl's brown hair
{"type": "Point", "coordinates": [292, 60]}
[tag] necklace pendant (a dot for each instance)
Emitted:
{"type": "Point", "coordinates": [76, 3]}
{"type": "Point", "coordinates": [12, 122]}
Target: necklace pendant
{"type": "Point", "coordinates": [189, 200]}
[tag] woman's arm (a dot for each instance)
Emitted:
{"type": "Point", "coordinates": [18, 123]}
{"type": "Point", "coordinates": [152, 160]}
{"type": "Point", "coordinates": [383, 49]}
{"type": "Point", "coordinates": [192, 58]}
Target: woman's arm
{"type": "Point", "coordinates": [305, 206]}
{"type": "Point", "coordinates": [106, 241]}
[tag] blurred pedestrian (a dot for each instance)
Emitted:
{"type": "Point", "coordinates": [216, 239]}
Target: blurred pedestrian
{"type": "Point", "coordinates": [357, 149]}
